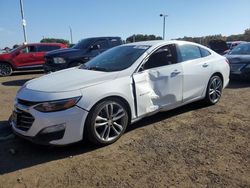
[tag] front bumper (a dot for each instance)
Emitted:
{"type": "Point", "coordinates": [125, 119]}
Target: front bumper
{"type": "Point", "coordinates": [73, 119]}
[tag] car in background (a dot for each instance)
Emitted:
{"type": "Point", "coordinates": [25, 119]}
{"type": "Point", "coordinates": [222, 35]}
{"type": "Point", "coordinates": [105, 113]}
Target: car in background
{"type": "Point", "coordinates": [99, 99]}
{"type": "Point", "coordinates": [232, 44]}
{"type": "Point", "coordinates": [80, 53]}
{"type": "Point", "coordinates": [239, 59]}
{"type": "Point", "coordinates": [30, 56]}
{"type": "Point", "coordinates": [219, 46]}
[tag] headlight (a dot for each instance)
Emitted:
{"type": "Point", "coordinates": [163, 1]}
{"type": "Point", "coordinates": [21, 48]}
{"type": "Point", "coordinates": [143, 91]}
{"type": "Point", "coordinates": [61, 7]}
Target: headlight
{"type": "Point", "coordinates": [59, 105]}
{"type": "Point", "coordinates": [59, 60]}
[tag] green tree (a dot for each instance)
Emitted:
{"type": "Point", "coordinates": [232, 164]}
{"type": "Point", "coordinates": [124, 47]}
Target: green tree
{"type": "Point", "coordinates": [141, 37]}
{"type": "Point", "coordinates": [50, 40]}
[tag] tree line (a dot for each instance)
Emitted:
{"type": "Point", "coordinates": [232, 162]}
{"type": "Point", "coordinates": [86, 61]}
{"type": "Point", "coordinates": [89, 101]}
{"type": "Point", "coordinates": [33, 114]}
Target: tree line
{"type": "Point", "coordinates": [205, 40]}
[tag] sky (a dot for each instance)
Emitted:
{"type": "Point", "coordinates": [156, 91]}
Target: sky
{"type": "Point", "coordinates": [91, 18]}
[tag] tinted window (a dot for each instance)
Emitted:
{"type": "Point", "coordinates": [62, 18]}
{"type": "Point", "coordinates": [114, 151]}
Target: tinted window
{"type": "Point", "coordinates": [164, 56]}
{"type": "Point", "coordinates": [115, 59]}
{"type": "Point", "coordinates": [45, 48]}
{"type": "Point", "coordinates": [83, 44]}
{"type": "Point", "coordinates": [115, 42]}
{"type": "Point", "coordinates": [103, 44]}
{"type": "Point", "coordinates": [204, 52]}
{"type": "Point", "coordinates": [189, 52]}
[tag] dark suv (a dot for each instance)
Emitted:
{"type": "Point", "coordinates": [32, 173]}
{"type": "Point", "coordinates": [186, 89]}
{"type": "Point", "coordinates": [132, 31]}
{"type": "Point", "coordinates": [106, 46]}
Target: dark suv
{"type": "Point", "coordinates": [80, 53]}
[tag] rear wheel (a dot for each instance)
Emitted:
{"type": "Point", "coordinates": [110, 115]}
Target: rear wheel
{"type": "Point", "coordinates": [107, 121]}
{"type": "Point", "coordinates": [5, 69]}
{"type": "Point", "coordinates": [214, 90]}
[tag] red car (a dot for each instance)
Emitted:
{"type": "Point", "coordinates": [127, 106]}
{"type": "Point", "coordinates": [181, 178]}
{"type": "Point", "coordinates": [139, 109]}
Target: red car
{"type": "Point", "coordinates": [30, 56]}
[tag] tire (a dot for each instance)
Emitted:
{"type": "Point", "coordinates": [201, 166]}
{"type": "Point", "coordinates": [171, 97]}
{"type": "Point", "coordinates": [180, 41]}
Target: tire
{"type": "Point", "coordinates": [214, 90]}
{"type": "Point", "coordinates": [5, 69]}
{"type": "Point", "coordinates": [106, 122]}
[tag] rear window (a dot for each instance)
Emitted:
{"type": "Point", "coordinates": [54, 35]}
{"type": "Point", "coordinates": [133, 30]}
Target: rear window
{"type": "Point", "coordinates": [46, 48]}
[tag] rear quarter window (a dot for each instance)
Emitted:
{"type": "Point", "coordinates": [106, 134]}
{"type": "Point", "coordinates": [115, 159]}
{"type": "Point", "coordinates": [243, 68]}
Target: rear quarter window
{"type": "Point", "coordinates": [204, 52]}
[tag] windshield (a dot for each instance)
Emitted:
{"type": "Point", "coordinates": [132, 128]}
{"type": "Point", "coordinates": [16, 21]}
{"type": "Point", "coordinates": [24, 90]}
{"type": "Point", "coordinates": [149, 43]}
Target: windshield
{"type": "Point", "coordinates": [83, 44]}
{"type": "Point", "coordinates": [241, 49]}
{"type": "Point", "coordinates": [116, 59]}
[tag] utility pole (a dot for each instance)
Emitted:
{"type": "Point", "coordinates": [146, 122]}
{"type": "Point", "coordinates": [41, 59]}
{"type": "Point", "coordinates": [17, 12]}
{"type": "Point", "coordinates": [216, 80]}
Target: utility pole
{"type": "Point", "coordinates": [71, 37]}
{"type": "Point", "coordinates": [164, 20]}
{"type": "Point", "coordinates": [23, 22]}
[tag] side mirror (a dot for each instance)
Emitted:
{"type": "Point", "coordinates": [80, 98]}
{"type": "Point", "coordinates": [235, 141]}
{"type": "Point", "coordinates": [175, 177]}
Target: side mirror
{"type": "Point", "coordinates": [94, 47]}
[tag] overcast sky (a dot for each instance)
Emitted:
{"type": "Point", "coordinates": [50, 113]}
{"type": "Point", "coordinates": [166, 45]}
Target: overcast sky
{"type": "Point", "coordinates": [88, 18]}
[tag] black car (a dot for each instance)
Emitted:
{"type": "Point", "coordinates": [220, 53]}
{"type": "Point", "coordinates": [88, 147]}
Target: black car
{"type": "Point", "coordinates": [80, 53]}
{"type": "Point", "coordinates": [239, 59]}
{"type": "Point", "coordinates": [219, 46]}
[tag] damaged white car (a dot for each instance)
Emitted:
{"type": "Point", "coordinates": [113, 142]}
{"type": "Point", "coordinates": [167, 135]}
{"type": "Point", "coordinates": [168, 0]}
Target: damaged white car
{"type": "Point", "coordinates": [124, 84]}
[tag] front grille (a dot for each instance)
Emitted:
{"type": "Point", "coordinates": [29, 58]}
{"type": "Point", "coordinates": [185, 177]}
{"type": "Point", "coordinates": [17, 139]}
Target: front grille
{"type": "Point", "coordinates": [24, 120]}
{"type": "Point", "coordinates": [26, 103]}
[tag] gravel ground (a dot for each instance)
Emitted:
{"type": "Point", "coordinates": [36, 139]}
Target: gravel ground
{"type": "Point", "coordinates": [192, 146]}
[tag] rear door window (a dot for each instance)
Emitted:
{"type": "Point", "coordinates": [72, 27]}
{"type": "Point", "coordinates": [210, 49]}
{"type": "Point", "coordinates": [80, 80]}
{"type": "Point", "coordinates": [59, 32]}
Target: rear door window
{"type": "Point", "coordinates": [102, 43]}
{"type": "Point", "coordinates": [115, 42]}
{"type": "Point", "coordinates": [46, 48]}
{"type": "Point", "coordinates": [189, 52]}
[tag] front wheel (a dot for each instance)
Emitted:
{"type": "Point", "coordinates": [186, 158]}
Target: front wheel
{"type": "Point", "coordinates": [214, 90]}
{"type": "Point", "coordinates": [5, 69]}
{"type": "Point", "coordinates": [106, 122]}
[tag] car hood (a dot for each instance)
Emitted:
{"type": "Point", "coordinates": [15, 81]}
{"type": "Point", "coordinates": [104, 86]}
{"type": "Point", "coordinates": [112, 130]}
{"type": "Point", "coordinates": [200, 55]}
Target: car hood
{"type": "Point", "coordinates": [69, 80]}
{"type": "Point", "coordinates": [234, 59]}
{"type": "Point", "coordinates": [64, 52]}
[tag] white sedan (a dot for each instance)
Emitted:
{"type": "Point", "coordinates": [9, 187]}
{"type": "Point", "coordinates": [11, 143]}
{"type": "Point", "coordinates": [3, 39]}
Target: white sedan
{"type": "Point", "coordinates": [100, 98]}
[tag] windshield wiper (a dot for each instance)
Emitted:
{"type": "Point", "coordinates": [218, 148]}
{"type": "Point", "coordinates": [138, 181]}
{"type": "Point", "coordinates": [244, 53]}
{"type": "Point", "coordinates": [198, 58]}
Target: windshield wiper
{"type": "Point", "coordinates": [97, 68]}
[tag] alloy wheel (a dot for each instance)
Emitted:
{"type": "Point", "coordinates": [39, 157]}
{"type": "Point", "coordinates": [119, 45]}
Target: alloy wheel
{"type": "Point", "coordinates": [110, 122]}
{"type": "Point", "coordinates": [5, 69]}
{"type": "Point", "coordinates": [215, 89]}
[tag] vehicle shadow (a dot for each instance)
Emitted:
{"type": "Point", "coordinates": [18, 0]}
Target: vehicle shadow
{"type": "Point", "coordinates": [19, 73]}
{"type": "Point", "coordinates": [237, 83]}
{"type": "Point", "coordinates": [165, 115]}
{"type": "Point", "coordinates": [15, 82]}
{"type": "Point", "coordinates": [16, 153]}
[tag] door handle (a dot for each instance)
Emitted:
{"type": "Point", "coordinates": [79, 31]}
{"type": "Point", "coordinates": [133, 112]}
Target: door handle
{"type": "Point", "coordinates": [175, 73]}
{"type": "Point", "coordinates": [205, 65]}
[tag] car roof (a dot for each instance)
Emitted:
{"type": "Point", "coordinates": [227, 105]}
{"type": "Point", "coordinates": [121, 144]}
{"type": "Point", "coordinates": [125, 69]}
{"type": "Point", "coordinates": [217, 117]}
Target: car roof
{"type": "Point", "coordinates": [48, 43]}
{"type": "Point", "coordinates": [103, 38]}
{"type": "Point", "coordinates": [161, 42]}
